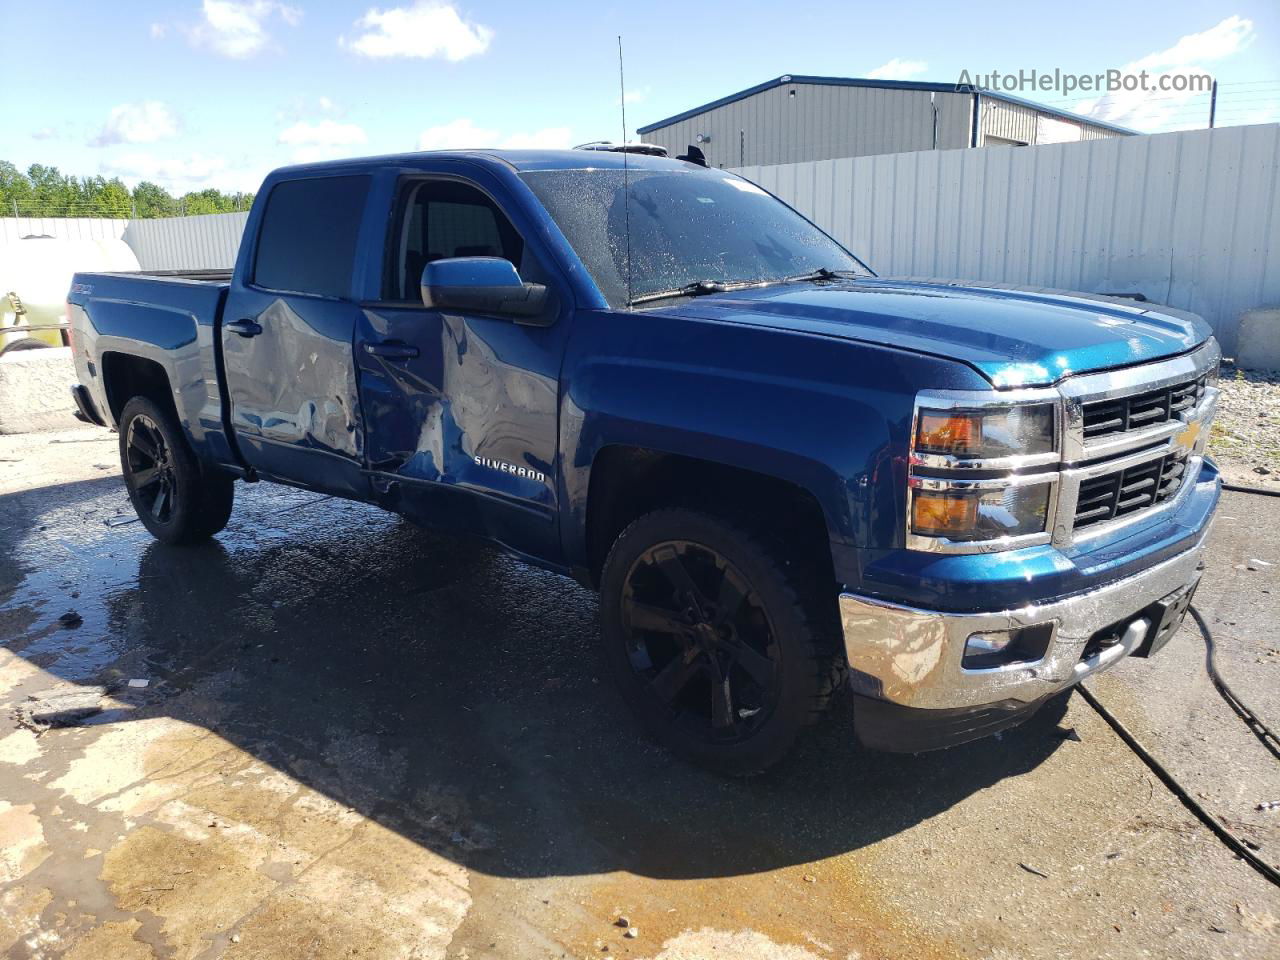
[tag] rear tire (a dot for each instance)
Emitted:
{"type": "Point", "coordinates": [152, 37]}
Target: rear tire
{"type": "Point", "coordinates": [176, 498]}
{"type": "Point", "coordinates": [26, 343]}
{"type": "Point", "coordinates": [722, 645]}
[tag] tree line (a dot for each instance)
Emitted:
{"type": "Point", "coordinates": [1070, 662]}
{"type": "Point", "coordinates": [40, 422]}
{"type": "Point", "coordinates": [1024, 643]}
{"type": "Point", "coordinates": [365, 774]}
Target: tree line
{"type": "Point", "coordinates": [47, 192]}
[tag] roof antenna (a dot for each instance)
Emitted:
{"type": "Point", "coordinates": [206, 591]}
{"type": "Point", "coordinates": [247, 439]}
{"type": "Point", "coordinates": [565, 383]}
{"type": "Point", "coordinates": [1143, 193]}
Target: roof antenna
{"type": "Point", "coordinates": [626, 181]}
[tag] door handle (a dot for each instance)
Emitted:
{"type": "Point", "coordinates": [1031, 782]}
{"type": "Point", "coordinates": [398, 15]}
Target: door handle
{"type": "Point", "coordinates": [246, 328]}
{"type": "Point", "coordinates": [392, 350]}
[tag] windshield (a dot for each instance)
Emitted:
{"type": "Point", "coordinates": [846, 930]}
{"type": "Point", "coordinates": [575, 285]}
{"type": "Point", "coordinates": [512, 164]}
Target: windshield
{"type": "Point", "coordinates": [687, 226]}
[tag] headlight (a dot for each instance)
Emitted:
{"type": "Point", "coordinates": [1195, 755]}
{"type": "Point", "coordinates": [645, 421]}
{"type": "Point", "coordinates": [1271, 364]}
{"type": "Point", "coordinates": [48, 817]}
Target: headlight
{"type": "Point", "coordinates": [1215, 372]}
{"type": "Point", "coordinates": [980, 514]}
{"type": "Point", "coordinates": [986, 434]}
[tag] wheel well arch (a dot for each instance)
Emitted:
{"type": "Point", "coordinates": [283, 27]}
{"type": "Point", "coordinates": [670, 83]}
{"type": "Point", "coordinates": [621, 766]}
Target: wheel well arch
{"type": "Point", "coordinates": [125, 376]}
{"type": "Point", "coordinates": [628, 481]}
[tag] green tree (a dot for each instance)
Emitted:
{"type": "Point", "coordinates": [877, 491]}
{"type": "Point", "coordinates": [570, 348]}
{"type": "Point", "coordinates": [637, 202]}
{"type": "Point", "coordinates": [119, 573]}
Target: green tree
{"type": "Point", "coordinates": [52, 194]}
{"type": "Point", "coordinates": [15, 189]}
{"type": "Point", "coordinates": [205, 201]}
{"type": "Point", "coordinates": [45, 191]}
{"type": "Point", "coordinates": [152, 200]}
{"type": "Point", "coordinates": [115, 200]}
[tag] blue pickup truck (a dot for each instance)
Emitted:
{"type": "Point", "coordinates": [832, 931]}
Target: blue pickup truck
{"type": "Point", "coordinates": [785, 476]}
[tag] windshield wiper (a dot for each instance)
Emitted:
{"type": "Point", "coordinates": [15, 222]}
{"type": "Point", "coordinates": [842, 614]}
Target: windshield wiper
{"type": "Point", "coordinates": [822, 273]}
{"type": "Point", "coordinates": [699, 288]}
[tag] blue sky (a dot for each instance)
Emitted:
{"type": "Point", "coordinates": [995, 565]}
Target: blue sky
{"type": "Point", "coordinates": [216, 92]}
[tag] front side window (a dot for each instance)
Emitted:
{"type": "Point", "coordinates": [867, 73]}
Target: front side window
{"type": "Point", "coordinates": [307, 242]}
{"type": "Point", "coordinates": [441, 219]}
{"type": "Point", "coordinates": [685, 226]}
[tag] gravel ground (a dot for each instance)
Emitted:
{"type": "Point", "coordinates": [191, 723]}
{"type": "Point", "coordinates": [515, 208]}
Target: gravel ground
{"type": "Point", "coordinates": [1246, 434]}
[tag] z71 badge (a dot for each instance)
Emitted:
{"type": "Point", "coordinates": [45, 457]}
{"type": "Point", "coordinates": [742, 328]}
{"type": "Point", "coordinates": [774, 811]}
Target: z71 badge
{"type": "Point", "coordinates": [503, 467]}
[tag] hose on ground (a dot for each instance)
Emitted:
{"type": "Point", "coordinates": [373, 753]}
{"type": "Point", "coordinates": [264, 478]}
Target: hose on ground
{"type": "Point", "coordinates": [1238, 706]}
{"type": "Point", "coordinates": [1241, 709]}
{"type": "Point", "coordinates": [1230, 840]}
{"type": "Point", "coordinates": [1237, 488]}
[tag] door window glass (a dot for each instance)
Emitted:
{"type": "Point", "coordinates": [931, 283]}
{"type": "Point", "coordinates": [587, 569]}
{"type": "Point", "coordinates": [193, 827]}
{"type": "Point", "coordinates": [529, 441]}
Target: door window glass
{"type": "Point", "coordinates": [442, 219]}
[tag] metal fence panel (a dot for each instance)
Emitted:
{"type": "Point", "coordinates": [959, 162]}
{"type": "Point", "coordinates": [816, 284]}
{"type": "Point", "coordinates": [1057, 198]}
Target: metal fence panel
{"type": "Point", "coordinates": [1190, 219]}
{"type": "Point", "coordinates": [64, 228]}
{"type": "Point", "coordinates": [205, 242]}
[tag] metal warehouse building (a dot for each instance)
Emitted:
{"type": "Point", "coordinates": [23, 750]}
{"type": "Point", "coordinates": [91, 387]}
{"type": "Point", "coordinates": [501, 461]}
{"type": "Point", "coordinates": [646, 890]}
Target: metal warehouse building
{"type": "Point", "coordinates": [792, 119]}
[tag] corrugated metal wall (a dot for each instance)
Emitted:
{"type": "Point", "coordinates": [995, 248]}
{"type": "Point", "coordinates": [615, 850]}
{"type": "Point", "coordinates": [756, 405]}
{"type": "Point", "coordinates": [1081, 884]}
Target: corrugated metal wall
{"type": "Point", "coordinates": [187, 243]}
{"type": "Point", "coordinates": [1009, 121]}
{"type": "Point", "coordinates": [1014, 121]}
{"type": "Point", "coordinates": [64, 228]}
{"type": "Point", "coordinates": [828, 121]}
{"type": "Point", "coordinates": [173, 243]}
{"type": "Point", "coordinates": [820, 122]}
{"type": "Point", "coordinates": [1189, 219]}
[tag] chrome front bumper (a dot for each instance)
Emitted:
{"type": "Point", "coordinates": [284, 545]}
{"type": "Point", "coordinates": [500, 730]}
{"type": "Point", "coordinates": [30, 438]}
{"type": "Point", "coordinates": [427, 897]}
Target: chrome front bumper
{"type": "Point", "coordinates": [912, 657]}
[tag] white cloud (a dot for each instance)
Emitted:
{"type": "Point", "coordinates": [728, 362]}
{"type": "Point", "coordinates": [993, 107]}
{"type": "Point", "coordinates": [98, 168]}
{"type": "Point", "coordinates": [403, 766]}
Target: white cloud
{"type": "Point", "coordinates": [1230, 36]}
{"type": "Point", "coordinates": [636, 96]}
{"type": "Point", "coordinates": [325, 140]}
{"type": "Point", "coordinates": [1153, 110]}
{"type": "Point", "coordinates": [144, 122]}
{"type": "Point", "coordinates": [456, 134]}
{"type": "Point", "coordinates": [182, 174]}
{"type": "Point", "coordinates": [463, 133]}
{"type": "Point", "coordinates": [327, 132]}
{"type": "Point", "coordinates": [1269, 113]}
{"type": "Point", "coordinates": [424, 30]}
{"type": "Point", "coordinates": [158, 30]}
{"type": "Point", "coordinates": [239, 30]}
{"type": "Point", "coordinates": [305, 108]}
{"type": "Point", "coordinates": [548, 138]}
{"type": "Point", "coordinates": [44, 133]}
{"type": "Point", "coordinates": [897, 69]}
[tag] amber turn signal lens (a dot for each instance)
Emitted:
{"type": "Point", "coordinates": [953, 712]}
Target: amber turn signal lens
{"type": "Point", "coordinates": [940, 514]}
{"type": "Point", "coordinates": [949, 432]}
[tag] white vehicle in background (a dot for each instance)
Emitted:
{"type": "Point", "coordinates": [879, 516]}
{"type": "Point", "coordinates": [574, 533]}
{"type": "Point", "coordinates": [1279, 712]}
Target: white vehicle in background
{"type": "Point", "coordinates": [35, 273]}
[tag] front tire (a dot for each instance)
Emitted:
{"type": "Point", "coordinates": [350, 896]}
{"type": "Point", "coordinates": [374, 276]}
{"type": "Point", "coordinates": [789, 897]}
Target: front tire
{"type": "Point", "coordinates": [176, 499]}
{"type": "Point", "coordinates": [723, 649]}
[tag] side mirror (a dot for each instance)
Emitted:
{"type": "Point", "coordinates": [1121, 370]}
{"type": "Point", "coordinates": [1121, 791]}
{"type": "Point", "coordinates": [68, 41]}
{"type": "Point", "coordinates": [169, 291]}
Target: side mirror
{"type": "Point", "coordinates": [482, 285]}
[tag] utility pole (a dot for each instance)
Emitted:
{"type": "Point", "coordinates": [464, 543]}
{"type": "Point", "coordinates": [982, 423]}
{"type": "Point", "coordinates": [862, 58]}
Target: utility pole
{"type": "Point", "coordinates": [1213, 102]}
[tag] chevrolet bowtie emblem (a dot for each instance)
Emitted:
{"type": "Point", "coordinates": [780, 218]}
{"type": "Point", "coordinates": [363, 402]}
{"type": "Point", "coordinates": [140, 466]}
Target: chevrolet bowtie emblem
{"type": "Point", "coordinates": [1188, 437]}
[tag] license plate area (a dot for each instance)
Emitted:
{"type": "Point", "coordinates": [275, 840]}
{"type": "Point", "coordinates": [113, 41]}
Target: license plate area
{"type": "Point", "coordinates": [1167, 615]}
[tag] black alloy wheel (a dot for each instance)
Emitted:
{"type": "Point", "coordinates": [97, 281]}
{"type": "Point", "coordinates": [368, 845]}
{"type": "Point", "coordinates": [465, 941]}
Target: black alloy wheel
{"type": "Point", "coordinates": [723, 638]}
{"type": "Point", "coordinates": [700, 638]}
{"type": "Point", "coordinates": [150, 468]}
{"type": "Point", "coordinates": [178, 499]}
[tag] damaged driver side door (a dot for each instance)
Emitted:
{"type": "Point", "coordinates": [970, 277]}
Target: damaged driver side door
{"type": "Point", "coordinates": [461, 406]}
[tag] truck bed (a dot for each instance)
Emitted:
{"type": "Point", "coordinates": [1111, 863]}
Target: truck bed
{"type": "Point", "coordinates": [219, 275]}
{"type": "Point", "coordinates": [165, 320]}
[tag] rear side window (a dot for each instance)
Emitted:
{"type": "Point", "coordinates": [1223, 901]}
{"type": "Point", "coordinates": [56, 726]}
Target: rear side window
{"type": "Point", "coordinates": [307, 243]}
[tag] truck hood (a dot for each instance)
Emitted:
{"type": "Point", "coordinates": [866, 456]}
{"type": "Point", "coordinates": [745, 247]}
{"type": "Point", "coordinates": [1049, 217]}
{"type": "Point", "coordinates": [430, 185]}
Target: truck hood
{"type": "Point", "coordinates": [1013, 336]}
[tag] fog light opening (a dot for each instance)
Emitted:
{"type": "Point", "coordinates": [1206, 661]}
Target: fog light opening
{"type": "Point", "coordinates": [1000, 648]}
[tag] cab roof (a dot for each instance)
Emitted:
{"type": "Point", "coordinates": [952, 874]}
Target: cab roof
{"type": "Point", "coordinates": [519, 160]}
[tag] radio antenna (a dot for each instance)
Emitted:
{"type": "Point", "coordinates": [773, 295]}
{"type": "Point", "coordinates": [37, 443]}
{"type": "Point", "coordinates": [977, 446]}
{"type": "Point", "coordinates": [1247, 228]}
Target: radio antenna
{"type": "Point", "coordinates": [626, 180]}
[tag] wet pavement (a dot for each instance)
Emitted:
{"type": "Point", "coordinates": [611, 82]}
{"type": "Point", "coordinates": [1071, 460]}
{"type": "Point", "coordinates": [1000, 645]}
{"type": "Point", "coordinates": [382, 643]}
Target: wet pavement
{"type": "Point", "coordinates": [361, 739]}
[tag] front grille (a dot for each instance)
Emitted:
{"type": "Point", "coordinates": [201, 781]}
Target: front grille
{"type": "Point", "coordinates": [1102, 418]}
{"type": "Point", "coordinates": [1128, 491]}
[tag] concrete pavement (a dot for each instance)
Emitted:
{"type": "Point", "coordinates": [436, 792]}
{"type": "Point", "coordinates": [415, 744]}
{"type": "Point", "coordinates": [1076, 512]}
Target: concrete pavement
{"type": "Point", "coordinates": [359, 739]}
